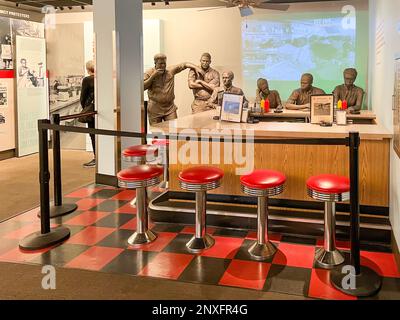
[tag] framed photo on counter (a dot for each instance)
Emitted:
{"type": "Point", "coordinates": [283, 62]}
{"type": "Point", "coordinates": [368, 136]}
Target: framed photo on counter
{"type": "Point", "coordinates": [232, 107]}
{"type": "Point", "coordinates": [322, 108]}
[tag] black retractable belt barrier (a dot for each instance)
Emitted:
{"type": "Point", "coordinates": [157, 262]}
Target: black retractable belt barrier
{"type": "Point", "coordinates": [47, 237]}
{"type": "Point", "coordinates": [357, 280]}
{"type": "Point", "coordinates": [58, 209]}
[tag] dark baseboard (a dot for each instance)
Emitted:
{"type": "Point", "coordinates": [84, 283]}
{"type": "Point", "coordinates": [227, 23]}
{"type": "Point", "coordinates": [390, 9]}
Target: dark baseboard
{"type": "Point", "coordinates": [8, 154]}
{"type": "Point", "coordinates": [396, 251]}
{"type": "Point", "coordinates": [106, 180]}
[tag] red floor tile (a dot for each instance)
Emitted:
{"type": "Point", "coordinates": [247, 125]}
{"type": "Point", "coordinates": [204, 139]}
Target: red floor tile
{"type": "Point", "coordinates": [90, 236]}
{"type": "Point", "coordinates": [7, 245]}
{"type": "Point", "coordinates": [86, 204]}
{"type": "Point", "coordinates": [125, 195]}
{"type": "Point", "coordinates": [191, 230]}
{"type": "Point", "coordinates": [87, 218]}
{"type": "Point", "coordinates": [341, 245]}
{"type": "Point", "coordinates": [26, 231]}
{"type": "Point", "coordinates": [295, 255]}
{"type": "Point", "coordinates": [246, 274]}
{"type": "Point", "coordinates": [130, 225]}
{"type": "Point", "coordinates": [84, 192]}
{"type": "Point", "coordinates": [167, 265]}
{"type": "Point", "coordinates": [127, 208]}
{"type": "Point", "coordinates": [321, 288]}
{"type": "Point", "coordinates": [382, 263]}
{"type": "Point", "coordinates": [224, 247]}
{"type": "Point", "coordinates": [274, 237]}
{"type": "Point", "coordinates": [163, 239]}
{"type": "Point", "coordinates": [94, 258]}
{"type": "Point", "coordinates": [19, 256]}
{"type": "Point", "coordinates": [31, 216]}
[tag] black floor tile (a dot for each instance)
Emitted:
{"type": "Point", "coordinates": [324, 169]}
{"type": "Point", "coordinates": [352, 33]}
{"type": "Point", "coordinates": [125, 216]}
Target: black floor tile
{"type": "Point", "coordinates": [109, 205]}
{"type": "Point", "coordinates": [298, 240]}
{"type": "Point", "coordinates": [390, 290]}
{"type": "Point", "coordinates": [130, 262]}
{"type": "Point", "coordinates": [243, 252]}
{"type": "Point", "coordinates": [376, 247]}
{"type": "Point", "coordinates": [205, 270]}
{"type": "Point", "coordinates": [114, 220]}
{"type": "Point", "coordinates": [178, 245]}
{"type": "Point", "coordinates": [71, 200]}
{"type": "Point", "coordinates": [63, 219]}
{"type": "Point", "coordinates": [75, 229]}
{"type": "Point", "coordinates": [105, 194]}
{"type": "Point", "coordinates": [167, 227]}
{"type": "Point", "coordinates": [60, 255]}
{"type": "Point", "coordinates": [117, 239]}
{"type": "Point", "coordinates": [230, 233]}
{"type": "Point", "coordinates": [289, 280]}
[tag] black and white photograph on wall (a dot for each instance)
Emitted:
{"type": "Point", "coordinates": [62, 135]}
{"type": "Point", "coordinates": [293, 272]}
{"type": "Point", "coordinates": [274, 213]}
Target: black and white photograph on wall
{"type": "Point", "coordinates": [3, 97]}
{"type": "Point", "coordinates": [30, 75]}
{"type": "Point", "coordinates": [6, 53]}
{"type": "Point", "coordinates": [2, 119]}
{"type": "Point", "coordinates": [27, 28]}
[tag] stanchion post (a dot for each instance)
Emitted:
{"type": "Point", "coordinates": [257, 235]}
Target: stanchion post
{"type": "Point", "coordinates": [362, 281]}
{"type": "Point", "coordinates": [58, 209]}
{"type": "Point", "coordinates": [46, 237]}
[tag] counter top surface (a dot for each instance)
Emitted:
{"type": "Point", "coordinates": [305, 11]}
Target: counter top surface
{"type": "Point", "coordinates": [205, 121]}
{"type": "Point", "coordinates": [364, 114]}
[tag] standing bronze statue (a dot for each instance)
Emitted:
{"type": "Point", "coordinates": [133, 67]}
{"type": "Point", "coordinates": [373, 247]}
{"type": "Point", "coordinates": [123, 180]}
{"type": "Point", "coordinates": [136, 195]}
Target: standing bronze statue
{"type": "Point", "coordinates": [218, 94]}
{"type": "Point", "coordinates": [203, 86]}
{"type": "Point", "coordinates": [349, 92]}
{"type": "Point", "coordinates": [301, 98]}
{"type": "Point", "coordinates": [263, 93]}
{"type": "Point", "coordinates": [159, 83]}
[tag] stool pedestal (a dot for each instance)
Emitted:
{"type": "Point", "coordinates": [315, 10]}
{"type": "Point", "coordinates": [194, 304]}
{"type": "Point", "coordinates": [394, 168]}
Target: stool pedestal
{"type": "Point", "coordinates": [263, 249]}
{"type": "Point", "coordinates": [201, 240]}
{"type": "Point", "coordinates": [143, 234]}
{"type": "Point", "coordinates": [329, 256]}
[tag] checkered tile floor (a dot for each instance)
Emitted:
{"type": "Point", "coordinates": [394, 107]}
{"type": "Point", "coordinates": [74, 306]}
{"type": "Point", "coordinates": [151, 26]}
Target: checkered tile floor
{"type": "Point", "coordinates": [105, 220]}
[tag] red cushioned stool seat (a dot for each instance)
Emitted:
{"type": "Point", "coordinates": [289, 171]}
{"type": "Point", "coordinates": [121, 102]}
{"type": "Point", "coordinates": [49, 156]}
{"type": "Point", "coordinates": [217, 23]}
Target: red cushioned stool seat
{"type": "Point", "coordinates": [200, 179]}
{"type": "Point", "coordinates": [201, 175]}
{"type": "Point", "coordinates": [330, 189]}
{"type": "Point", "coordinates": [262, 184]}
{"type": "Point", "coordinates": [160, 142]}
{"type": "Point", "coordinates": [140, 173]}
{"type": "Point", "coordinates": [140, 153]}
{"type": "Point", "coordinates": [263, 179]}
{"type": "Point", "coordinates": [141, 177]}
{"type": "Point", "coordinates": [329, 183]}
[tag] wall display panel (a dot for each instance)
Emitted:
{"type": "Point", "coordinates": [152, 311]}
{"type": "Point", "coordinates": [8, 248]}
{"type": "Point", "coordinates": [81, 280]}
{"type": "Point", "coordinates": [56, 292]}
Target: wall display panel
{"type": "Point", "coordinates": [7, 120]}
{"type": "Point", "coordinates": [396, 108]}
{"type": "Point", "coordinates": [32, 103]}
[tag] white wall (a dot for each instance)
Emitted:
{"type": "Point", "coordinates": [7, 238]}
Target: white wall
{"type": "Point", "coordinates": [385, 45]}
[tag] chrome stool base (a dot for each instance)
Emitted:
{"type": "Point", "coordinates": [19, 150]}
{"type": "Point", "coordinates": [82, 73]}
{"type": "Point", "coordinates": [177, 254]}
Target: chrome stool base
{"type": "Point", "coordinates": [262, 251]}
{"type": "Point", "coordinates": [328, 259]}
{"type": "Point", "coordinates": [142, 238]}
{"type": "Point", "coordinates": [196, 245]}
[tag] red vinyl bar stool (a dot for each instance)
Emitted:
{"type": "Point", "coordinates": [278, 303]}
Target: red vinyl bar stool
{"type": "Point", "coordinates": [140, 154]}
{"type": "Point", "coordinates": [163, 147]}
{"type": "Point", "coordinates": [263, 184]}
{"type": "Point", "coordinates": [330, 189]}
{"type": "Point", "coordinates": [200, 180]}
{"type": "Point", "coordinates": [139, 178]}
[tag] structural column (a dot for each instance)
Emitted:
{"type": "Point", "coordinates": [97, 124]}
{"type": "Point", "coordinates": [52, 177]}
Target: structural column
{"type": "Point", "coordinates": [118, 28]}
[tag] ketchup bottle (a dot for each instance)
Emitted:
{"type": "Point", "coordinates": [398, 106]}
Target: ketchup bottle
{"type": "Point", "coordinates": [344, 105]}
{"type": "Point", "coordinates": [267, 105]}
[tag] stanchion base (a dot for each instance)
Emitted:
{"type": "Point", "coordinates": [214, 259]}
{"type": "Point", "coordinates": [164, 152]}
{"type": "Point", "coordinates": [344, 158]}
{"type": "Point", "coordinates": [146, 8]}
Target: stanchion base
{"type": "Point", "coordinates": [196, 245]}
{"type": "Point", "coordinates": [262, 251]}
{"type": "Point", "coordinates": [328, 259]}
{"type": "Point", "coordinates": [37, 240]}
{"type": "Point", "coordinates": [367, 283]}
{"type": "Point", "coordinates": [59, 211]}
{"type": "Point", "coordinates": [142, 238]}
